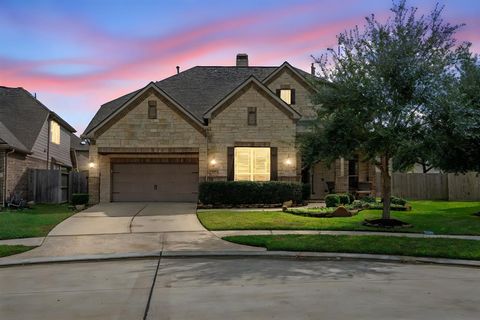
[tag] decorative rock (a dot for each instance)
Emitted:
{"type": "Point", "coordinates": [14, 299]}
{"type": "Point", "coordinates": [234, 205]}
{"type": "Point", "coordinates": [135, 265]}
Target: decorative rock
{"type": "Point", "coordinates": [80, 207]}
{"type": "Point", "coordinates": [287, 204]}
{"type": "Point", "coordinates": [341, 212]}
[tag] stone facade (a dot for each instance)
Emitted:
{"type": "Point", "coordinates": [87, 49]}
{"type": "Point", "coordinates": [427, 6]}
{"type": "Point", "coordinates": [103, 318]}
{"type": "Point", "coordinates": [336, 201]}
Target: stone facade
{"type": "Point", "coordinates": [303, 102]}
{"type": "Point", "coordinates": [274, 128]}
{"type": "Point", "coordinates": [170, 131]}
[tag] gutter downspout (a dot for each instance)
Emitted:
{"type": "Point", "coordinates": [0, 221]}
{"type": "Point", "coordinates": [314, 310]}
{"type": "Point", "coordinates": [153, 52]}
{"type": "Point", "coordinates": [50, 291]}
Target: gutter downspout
{"type": "Point", "coordinates": [5, 175]}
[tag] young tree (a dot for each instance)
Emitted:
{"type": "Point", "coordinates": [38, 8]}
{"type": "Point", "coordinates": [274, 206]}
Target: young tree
{"type": "Point", "coordinates": [381, 86]}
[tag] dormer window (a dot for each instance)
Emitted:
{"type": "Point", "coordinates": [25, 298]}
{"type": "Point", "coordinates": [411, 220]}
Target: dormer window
{"type": "Point", "coordinates": [287, 95]}
{"type": "Point", "coordinates": [54, 132]}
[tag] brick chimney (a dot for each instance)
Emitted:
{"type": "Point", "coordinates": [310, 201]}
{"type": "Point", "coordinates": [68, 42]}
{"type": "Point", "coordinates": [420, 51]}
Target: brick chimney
{"type": "Point", "coordinates": [242, 60]}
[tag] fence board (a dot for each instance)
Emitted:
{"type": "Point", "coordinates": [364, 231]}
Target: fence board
{"type": "Point", "coordinates": [55, 186]}
{"type": "Point", "coordinates": [436, 186]}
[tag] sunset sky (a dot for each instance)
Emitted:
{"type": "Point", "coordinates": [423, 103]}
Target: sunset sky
{"type": "Point", "coordinates": [77, 55]}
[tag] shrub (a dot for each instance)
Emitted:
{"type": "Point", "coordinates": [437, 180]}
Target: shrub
{"type": "Point", "coordinates": [397, 200]}
{"type": "Point", "coordinates": [369, 199]}
{"type": "Point", "coordinates": [351, 196]}
{"type": "Point", "coordinates": [357, 204]}
{"type": "Point", "coordinates": [332, 200]}
{"type": "Point", "coordinates": [79, 198]}
{"type": "Point", "coordinates": [344, 198]}
{"type": "Point", "coordinates": [306, 191]}
{"type": "Point", "coordinates": [249, 192]}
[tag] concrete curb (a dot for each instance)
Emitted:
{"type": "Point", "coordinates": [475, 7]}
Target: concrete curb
{"type": "Point", "coordinates": [244, 254]}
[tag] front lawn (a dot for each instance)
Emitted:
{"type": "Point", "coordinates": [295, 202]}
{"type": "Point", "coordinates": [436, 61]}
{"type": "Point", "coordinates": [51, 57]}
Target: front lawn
{"type": "Point", "coordinates": [441, 217]}
{"type": "Point", "coordinates": [35, 222]}
{"type": "Point", "coordinates": [420, 247]}
{"type": "Point", "coordinates": [10, 250]}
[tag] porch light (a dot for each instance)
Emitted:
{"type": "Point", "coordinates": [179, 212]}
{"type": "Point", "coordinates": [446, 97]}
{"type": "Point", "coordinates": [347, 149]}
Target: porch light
{"type": "Point", "coordinates": [213, 162]}
{"type": "Point", "coordinates": [91, 164]}
{"type": "Point", "coordinates": [288, 162]}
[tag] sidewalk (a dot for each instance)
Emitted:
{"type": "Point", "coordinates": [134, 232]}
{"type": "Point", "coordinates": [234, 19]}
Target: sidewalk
{"type": "Point", "coordinates": [222, 234]}
{"type": "Point", "coordinates": [31, 242]}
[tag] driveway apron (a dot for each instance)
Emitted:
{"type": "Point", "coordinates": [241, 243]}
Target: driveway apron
{"type": "Point", "coordinates": [131, 227]}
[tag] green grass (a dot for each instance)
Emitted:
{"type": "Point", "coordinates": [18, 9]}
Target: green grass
{"type": "Point", "coordinates": [419, 247]}
{"type": "Point", "coordinates": [9, 250]}
{"type": "Point", "coordinates": [35, 222]}
{"type": "Point", "coordinates": [441, 217]}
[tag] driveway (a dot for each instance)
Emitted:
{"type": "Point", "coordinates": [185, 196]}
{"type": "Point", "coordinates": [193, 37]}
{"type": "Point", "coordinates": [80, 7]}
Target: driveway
{"type": "Point", "coordinates": [131, 227]}
{"type": "Point", "coordinates": [255, 288]}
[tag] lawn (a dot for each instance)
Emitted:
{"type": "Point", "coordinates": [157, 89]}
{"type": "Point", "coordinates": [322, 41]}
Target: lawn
{"type": "Point", "coordinates": [420, 247]}
{"type": "Point", "coordinates": [9, 250]}
{"type": "Point", "coordinates": [35, 222]}
{"type": "Point", "coordinates": [441, 217]}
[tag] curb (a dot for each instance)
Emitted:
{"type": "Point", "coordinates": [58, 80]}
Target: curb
{"type": "Point", "coordinates": [244, 254]}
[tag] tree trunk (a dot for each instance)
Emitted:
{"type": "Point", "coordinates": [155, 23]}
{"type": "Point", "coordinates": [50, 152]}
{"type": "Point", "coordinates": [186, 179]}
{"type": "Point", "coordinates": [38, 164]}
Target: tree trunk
{"type": "Point", "coordinates": [386, 187]}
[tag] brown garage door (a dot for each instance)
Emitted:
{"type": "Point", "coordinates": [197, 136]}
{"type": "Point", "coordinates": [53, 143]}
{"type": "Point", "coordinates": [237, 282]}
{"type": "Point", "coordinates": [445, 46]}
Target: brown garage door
{"type": "Point", "coordinates": [154, 182]}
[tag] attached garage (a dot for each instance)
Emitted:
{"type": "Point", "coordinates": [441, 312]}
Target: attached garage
{"type": "Point", "coordinates": [175, 181]}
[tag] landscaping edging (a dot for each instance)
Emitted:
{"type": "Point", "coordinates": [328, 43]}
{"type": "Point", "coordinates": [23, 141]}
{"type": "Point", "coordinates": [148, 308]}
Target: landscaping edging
{"type": "Point", "coordinates": [245, 254]}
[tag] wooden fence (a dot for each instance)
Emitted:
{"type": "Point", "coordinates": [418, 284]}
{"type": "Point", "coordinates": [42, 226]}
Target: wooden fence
{"type": "Point", "coordinates": [55, 186]}
{"type": "Point", "coordinates": [437, 186]}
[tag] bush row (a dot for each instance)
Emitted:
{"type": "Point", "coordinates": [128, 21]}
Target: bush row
{"type": "Point", "coordinates": [79, 198]}
{"type": "Point", "coordinates": [250, 192]}
{"type": "Point", "coordinates": [334, 200]}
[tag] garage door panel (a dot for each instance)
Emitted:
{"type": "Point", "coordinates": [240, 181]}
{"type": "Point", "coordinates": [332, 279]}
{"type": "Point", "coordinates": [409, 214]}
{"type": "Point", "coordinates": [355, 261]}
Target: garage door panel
{"type": "Point", "coordinates": [154, 182]}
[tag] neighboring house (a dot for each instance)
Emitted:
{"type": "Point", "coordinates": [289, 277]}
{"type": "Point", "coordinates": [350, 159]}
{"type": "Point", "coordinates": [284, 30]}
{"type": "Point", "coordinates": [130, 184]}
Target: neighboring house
{"type": "Point", "coordinates": [79, 154]}
{"type": "Point", "coordinates": [203, 124]}
{"type": "Point", "coordinates": [31, 137]}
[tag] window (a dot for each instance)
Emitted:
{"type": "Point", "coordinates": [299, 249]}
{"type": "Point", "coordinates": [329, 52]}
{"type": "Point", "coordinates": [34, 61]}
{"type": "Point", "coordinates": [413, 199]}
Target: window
{"type": "Point", "coordinates": [252, 164]}
{"type": "Point", "coordinates": [54, 132]}
{"type": "Point", "coordinates": [252, 116]}
{"type": "Point", "coordinates": [152, 109]}
{"type": "Point", "coordinates": [287, 95]}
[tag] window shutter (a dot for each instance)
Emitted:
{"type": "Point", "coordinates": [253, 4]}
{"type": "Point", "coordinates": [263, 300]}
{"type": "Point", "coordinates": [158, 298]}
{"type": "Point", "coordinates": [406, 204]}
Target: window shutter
{"type": "Point", "coordinates": [273, 164]}
{"type": "Point", "coordinates": [230, 163]}
{"type": "Point", "coordinates": [278, 93]}
{"type": "Point", "coordinates": [292, 91]}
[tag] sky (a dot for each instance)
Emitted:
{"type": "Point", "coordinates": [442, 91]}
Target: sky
{"type": "Point", "coordinates": [77, 55]}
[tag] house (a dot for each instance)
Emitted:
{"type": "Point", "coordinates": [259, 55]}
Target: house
{"type": "Point", "coordinates": [31, 137]}
{"type": "Point", "coordinates": [207, 123]}
{"type": "Point", "coordinates": [79, 154]}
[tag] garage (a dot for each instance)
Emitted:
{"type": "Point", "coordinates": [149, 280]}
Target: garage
{"type": "Point", "coordinates": [175, 182]}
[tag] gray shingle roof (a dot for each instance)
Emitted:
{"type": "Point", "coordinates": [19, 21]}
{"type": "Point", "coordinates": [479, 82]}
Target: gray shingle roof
{"type": "Point", "coordinates": [23, 116]}
{"type": "Point", "coordinates": [76, 143]}
{"type": "Point", "coordinates": [196, 89]}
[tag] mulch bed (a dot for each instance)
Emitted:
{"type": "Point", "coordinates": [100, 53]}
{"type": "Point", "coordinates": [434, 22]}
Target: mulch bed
{"type": "Point", "coordinates": [386, 223]}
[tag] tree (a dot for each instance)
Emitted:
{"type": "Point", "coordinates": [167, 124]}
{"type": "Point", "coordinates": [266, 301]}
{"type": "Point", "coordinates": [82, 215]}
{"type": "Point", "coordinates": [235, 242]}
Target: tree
{"type": "Point", "coordinates": [380, 86]}
{"type": "Point", "coordinates": [456, 122]}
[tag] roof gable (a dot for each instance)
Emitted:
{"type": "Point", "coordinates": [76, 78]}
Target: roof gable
{"type": "Point", "coordinates": [133, 100]}
{"type": "Point", "coordinates": [301, 75]}
{"type": "Point", "coordinates": [23, 115]}
{"type": "Point", "coordinates": [217, 108]}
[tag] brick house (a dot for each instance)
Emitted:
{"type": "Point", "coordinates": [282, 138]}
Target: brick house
{"type": "Point", "coordinates": [31, 137]}
{"type": "Point", "coordinates": [203, 124]}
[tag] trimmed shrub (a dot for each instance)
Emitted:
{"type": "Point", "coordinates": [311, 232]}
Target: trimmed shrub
{"type": "Point", "coordinates": [79, 198]}
{"type": "Point", "coordinates": [344, 198]}
{"type": "Point", "coordinates": [357, 204]}
{"type": "Point", "coordinates": [369, 199]}
{"type": "Point", "coordinates": [397, 200]}
{"type": "Point", "coordinates": [332, 200]}
{"type": "Point", "coordinates": [249, 192]}
{"type": "Point", "coordinates": [306, 191]}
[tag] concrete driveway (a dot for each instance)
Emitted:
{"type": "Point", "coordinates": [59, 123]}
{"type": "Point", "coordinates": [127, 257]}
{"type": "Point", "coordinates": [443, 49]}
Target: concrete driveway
{"type": "Point", "coordinates": [133, 227]}
{"type": "Point", "coordinates": [258, 288]}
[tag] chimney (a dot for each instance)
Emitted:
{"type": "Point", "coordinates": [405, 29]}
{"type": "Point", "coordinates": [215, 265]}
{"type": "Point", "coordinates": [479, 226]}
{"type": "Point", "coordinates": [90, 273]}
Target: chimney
{"type": "Point", "coordinates": [312, 69]}
{"type": "Point", "coordinates": [242, 60]}
{"type": "Point", "coordinates": [178, 69]}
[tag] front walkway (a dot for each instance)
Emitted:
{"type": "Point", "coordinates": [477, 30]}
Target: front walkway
{"type": "Point", "coordinates": [116, 228]}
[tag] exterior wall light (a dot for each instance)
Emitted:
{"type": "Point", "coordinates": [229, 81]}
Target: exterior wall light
{"type": "Point", "coordinates": [91, 164]}
{"type": "Point", "coordinates": [213, 162]}
{"type": "Point", "coordinates": [288, 162]}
